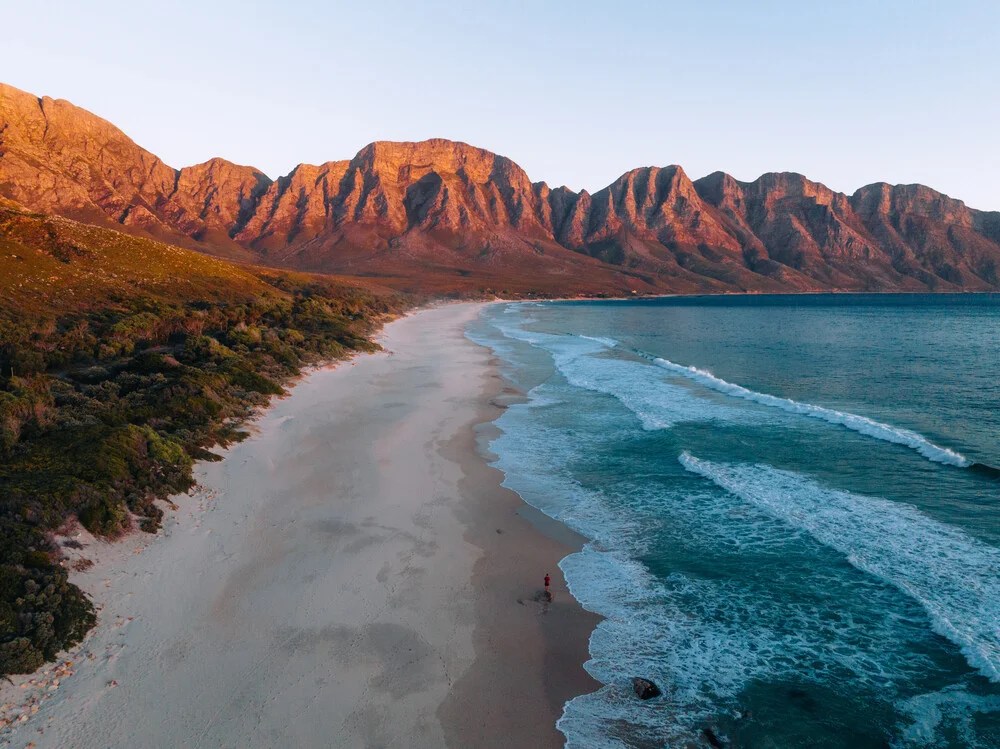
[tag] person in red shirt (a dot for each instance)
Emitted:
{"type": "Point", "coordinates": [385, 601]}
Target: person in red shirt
{"type": "Point", "coordinates": [547, 580]}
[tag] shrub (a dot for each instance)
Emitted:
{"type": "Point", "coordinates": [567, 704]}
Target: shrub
{"type": "Point", "coordinates": [105, 517]}
{"type": "Point", "coordinates": [37, 560]}
{"type": "Point", "coordinates": [20, 656]}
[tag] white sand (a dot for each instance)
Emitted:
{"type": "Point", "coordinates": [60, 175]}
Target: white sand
{"type": "Point", "coordinates": [315, 592]}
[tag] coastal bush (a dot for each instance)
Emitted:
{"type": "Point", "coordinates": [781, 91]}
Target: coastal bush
{"type": "Point", "coordinates": [253, 381]}
{"type": "Point", "coordinates": [40, 611]}
{"type": "Point", "coordinates": [104, 516]}
{"type": "Point", "coordinates": [106, 403]}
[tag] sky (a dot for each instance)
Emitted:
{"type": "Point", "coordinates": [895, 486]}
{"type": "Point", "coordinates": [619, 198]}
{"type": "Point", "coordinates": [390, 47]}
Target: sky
{"type": "Point", "coordinates": [577, 93]}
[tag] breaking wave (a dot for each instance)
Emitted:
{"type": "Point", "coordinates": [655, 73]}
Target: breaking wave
{"type": "Point", "coordinates": [950, 574]}
{"type": "Point", "coordinates": [860, 424]}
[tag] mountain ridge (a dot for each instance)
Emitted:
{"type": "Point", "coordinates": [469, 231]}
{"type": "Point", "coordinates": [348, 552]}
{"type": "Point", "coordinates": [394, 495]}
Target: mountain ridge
{"type": "Point", "coordinates": [439, 210]}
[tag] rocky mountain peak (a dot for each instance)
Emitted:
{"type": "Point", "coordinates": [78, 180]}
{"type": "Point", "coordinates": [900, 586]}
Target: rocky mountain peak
{"type": "Point", "coordinates": [911, 199]}
{"type": "Point", "coordinates": [446, 207]}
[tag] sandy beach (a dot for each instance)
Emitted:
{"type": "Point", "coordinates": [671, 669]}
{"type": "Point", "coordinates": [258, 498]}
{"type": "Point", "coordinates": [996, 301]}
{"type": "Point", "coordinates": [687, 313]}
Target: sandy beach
{"type": "Point", "coordinates": [352, 575]}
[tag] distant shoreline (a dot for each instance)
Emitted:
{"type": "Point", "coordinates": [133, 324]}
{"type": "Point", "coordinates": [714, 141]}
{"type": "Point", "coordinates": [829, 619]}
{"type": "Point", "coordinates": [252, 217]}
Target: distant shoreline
{"type": "Point", "coordinates": [755, 294]}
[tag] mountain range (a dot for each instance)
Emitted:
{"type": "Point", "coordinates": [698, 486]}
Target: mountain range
{"type": "Point", "coordinates": [446, 216]}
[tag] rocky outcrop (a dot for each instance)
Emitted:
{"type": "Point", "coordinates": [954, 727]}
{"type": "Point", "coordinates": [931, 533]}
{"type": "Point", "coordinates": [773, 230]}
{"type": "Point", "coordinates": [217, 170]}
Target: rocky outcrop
{"type": "Point", "coordinates": [452, 211]}
{"type": "Point", "coordinates": [213, 201]}
{"type": "Point", "coordinates": [644, 688]}
{"type": "Point", "coordinates": [294, 208]}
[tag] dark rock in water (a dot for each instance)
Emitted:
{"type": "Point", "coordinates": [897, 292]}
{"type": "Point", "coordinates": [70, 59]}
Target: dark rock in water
{"type": "Point", "coordinates": [645, 689]}
{"type": "Point", "coordinates": [712, 739]}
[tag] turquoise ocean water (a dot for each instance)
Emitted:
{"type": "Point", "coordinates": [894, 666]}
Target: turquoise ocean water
{"type": "Point", "coordinates": [794, 525]}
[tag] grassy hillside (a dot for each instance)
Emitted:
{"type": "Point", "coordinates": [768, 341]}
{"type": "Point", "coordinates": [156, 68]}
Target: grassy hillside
{"type": "Point", "coordinates": [122, 360]}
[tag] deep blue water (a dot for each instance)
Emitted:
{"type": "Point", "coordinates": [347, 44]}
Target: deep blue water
{"type": "Point", "coordinates": [791, 527]}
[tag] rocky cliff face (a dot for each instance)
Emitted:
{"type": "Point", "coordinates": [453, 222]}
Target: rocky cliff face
{"type": "Point", "coordinates": [212, 202]}
{"type": "Point", "coordinates": [449, 210]}
{"type": "Point", "coordinates": [905, 237]}
{"type": "Point", "coordinates": [58, 158]}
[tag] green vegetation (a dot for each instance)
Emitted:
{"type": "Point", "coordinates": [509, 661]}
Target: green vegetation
{"type": "Point", "coordinates": [122, 361]}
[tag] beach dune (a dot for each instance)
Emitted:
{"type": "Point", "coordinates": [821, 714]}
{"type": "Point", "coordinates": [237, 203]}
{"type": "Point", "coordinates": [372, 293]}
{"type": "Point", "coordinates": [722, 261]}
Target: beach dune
{"type": "Point", "coordinates": [349, 576]}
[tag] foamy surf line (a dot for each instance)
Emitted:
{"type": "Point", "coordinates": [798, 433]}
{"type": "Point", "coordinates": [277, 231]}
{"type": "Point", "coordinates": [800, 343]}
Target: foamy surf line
{"type": "Point", "coordinates": [860, 424]}
{"type": "Point", "coordinates": [950, 574]}
{"type": "Point", "coordinates": [854, 422]}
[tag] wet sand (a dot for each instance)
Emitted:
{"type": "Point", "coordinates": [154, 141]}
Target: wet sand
{"type": "Point", "coordinates": [351, 576]}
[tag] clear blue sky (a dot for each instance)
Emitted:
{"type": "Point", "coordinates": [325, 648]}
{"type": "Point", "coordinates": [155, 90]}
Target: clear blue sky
{"type": "Point", "coordinates": [576, 92]}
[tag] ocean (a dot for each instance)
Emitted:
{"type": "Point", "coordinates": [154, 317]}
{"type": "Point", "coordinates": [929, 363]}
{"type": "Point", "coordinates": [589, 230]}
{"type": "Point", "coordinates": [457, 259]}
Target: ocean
{"type": "Point", "coordinates": [792, 514]}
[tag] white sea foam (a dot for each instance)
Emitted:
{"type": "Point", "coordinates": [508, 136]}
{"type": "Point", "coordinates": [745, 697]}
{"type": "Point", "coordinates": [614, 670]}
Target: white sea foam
{"type": "Point", "coordinates": [953, 576]}
{"type": "Point", "coordinates": [861, 424]}
{"type": "Point", "coordinates": [609, 342]}
{"type": "Point", "coordinates": [951, 708]}
{"type": "Point", "coordinates": [640, 387]}
{"type": "Point", "coordinates": [513, 308]}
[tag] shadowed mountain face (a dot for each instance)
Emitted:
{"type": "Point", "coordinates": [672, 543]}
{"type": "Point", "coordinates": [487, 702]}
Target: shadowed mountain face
{"type": "Point", "coordinates": [443, 210]}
